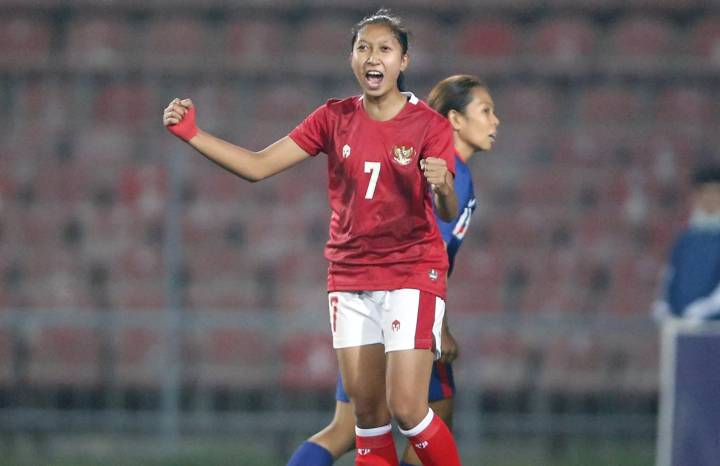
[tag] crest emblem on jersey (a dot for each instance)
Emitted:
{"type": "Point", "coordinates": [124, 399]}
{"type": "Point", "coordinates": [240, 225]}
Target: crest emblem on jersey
{"type": "Point", "coordinates": [403, 154]}
{"type": "Point", "coordinates": [422, 445]}
{"type": "Point", "coordinates": [346, 151]}
{"type": "Point", "coordinates": [433, 274]}
{"type": "Point", "coordinates": [363, 451]}
{"type": "Point", "coordinates": [396, 326]}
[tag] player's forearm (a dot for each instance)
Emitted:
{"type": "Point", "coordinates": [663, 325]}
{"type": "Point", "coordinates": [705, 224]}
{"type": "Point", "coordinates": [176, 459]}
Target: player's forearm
{"type": "Point", "coordinates": [446, 204]}
{"type": "Point", "coordinates": [242, 162]}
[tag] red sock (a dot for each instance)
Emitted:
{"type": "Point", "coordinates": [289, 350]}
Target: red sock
{"type": "Point", "coordinates": [375, 447]}
{"type": "Point", "coordinates": [433, 442]}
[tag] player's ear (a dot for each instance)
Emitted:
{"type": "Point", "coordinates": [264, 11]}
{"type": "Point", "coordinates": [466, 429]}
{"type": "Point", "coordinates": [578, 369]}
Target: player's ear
{"type": "Point", "coordinates": [456, 119]}
{"type": "Point", "coordinates": [404, 62]}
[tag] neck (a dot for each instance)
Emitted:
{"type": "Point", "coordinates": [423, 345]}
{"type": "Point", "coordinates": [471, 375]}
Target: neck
{"type": "Point", "coordinates": [384, 107]}
{"type": "Point", "coordinates": [463, 149]}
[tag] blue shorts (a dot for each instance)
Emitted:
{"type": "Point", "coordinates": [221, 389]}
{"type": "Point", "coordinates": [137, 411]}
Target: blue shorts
{"type": "Point", "coordinates": [442, 384]}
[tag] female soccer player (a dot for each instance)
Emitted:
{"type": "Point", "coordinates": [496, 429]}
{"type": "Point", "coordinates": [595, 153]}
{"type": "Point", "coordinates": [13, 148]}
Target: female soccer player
{"type": "Point", "coordinates": [389, 157]}
{"type": "Point", "coordinates": [466, 102]}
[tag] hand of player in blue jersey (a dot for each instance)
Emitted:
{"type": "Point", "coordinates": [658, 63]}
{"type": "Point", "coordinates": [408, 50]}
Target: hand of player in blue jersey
{"type": "Point", "coordinates": [179, 119]}
{"type": "Point", "coordinates": [449, 351]}
{"type": "Point", "coordinates": [437, 174]}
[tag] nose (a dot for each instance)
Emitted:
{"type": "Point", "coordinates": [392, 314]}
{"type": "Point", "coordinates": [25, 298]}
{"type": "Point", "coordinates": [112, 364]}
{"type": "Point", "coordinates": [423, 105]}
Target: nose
{"type": "Point", "coordinates": [372, 58]}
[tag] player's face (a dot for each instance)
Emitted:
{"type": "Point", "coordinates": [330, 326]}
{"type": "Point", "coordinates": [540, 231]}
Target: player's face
{"type": "Point", "coordinates": [708, 198]}
{"type": "Point", "coordinates": [477, 127]}
{"type": "Point", "coordinates": [377, 60]}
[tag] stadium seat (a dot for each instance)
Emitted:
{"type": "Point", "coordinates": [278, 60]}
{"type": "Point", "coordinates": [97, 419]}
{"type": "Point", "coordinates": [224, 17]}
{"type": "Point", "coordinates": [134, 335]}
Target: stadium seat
{"type": "Point", "coordinates": [428, 33]}
{"type": "Point", "coordinates": [139, 357]}
{"type": "Point", "coordinates": [687, 106]}
{"type": "Point", "coordinates": [7, 358]}
{"type": "Point", "coordinates": [25, 42]}
{"type": "Point", "coordinates": [178, 43]}
{"type": "Point", "coordinates": [487, 38]}
{"type": "Point", "coordinates": [129, 103]}
{"type": "Point", "coordinates": [574, 364]}
{"type": "Point", "coordinates": [236, 358]}
{"type": "Point", "coordinates": [99, 43]}
{"type": "Point", "coordinates": [64, 355]}
{"type": "Point", "coordinates": [286, 102]}
{"type": "Point", "coordinates": [532, 104]}
{"type": "Point", "coordinates": [565, 43]}
{"type": "Point", "coordinates": [611, 105]}
{"type": "Point", "coordinates": [255, 45]}
{"type": "Point", "coordinates": [309, 362]}
{"type": "Point", "coordinates": [321, 46]}
{"type": "Point", "coordinates": [501, 365]}
{"type": "Point", "coordinates": [641, 41]}
{"type": "Point", "coordinates": [704, 40]}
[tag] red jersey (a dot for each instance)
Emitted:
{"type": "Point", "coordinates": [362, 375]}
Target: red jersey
{"type": "Point", "coordinates": [383, 234]}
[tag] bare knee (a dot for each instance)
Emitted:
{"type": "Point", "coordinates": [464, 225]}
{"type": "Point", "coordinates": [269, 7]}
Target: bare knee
{"type": "Point", "coordinates": [370, 413]}
{"type": "Point", "coordinates": [408, 411]}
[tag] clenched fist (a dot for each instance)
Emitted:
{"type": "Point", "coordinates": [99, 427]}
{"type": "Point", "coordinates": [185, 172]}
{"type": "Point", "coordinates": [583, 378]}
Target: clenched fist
{"type": "Point", "coordinates": [179, 119]}
{"type": "Point", "coordinates": [437, 174]}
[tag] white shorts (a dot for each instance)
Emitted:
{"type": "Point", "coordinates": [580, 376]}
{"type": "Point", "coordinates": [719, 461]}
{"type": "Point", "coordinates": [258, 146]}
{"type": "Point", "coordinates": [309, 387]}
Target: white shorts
{"type": "Point", "coordinates": [400, 319]}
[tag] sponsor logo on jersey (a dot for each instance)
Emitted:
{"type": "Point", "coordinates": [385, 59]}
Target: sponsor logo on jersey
{"type": "Point", "coordinates": [346, 151]}
{"type": "Point", "coordinates": [396, 326]}
{"type": "Point", "coordinates": [363, 451]}
{"type": "Point", "coordinates": [433, 274]}
{"type": "Point", "coordinates": [403, 154]}
{"type": "Point", "coordinates": [422, 445]}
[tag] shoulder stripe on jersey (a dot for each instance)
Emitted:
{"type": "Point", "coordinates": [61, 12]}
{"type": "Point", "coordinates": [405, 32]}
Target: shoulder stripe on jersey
{"type": "Point", "coordinates": [411, 97]}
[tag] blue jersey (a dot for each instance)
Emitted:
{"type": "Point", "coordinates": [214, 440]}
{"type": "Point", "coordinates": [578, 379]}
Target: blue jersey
{"type": "Point", "coordinates": [453, 232]}
{"type": "Point", "coordinates": [694, 275]}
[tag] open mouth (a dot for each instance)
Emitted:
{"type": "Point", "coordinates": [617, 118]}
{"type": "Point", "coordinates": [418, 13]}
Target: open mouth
{"type": "Point", "coordinates": [374, 79]}
{"type": "Point", "coordinates": [493, 137]}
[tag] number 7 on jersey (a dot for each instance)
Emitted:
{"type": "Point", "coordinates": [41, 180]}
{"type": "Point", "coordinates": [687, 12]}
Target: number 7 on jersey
{"type": "Point", "coordinates": [374, 169]}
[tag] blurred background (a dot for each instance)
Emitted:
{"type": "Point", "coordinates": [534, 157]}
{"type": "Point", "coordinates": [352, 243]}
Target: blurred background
{"type": "Point", "coordinates": [156, 310]}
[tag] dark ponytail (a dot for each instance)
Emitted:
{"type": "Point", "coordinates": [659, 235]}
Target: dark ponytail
{"type": "Point", "coordinates": [454, 93]}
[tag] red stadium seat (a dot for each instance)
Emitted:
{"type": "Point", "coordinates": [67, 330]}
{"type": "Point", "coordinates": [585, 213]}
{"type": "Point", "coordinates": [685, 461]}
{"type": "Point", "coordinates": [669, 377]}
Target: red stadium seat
{"type": "Point", "coordinates": [178, 43]}
{"type": "Point", "coordinates": [139, 357]}
{"type": "Point", "coordinates": [642, 40]}
{"type": "Point", "coordinates": [238, 358]}
{"type": "Point", "coordinates": [7, 358]}
{"type": "Point", "coordinates": [685, 105]}
{"type": "Point", "coordinates": [501, 365]}
{"type": "Point", "coordinates": [565, 42]}
{"type": "Point", "coordinates": [99, 43]}
{"type": "Point", "coordinates": [287, 102]}
{"type": "Point", "coordinates": [64, 355]}
{"type": "Point", "coordinates": [574, 364]}
{"type": "Point", "coordinates": [530, 104]}
{"type": "Point", "coordinates": [309, 362]}
{"type": "Point", "coordinates": [488, 42]}
{"type": "Point", "coordinates": [611, 105]}
{"type": "Point", "coordinates": [25, 42]}
{"type": "Point", "coordinates": [424, 56]}
{"type": "Point", "coordinates": [255, 44]}
{"type": "Point", "coordinates": [322, 45]}
{"type": "Point", "coordinates": [129, 103]}
{"type": "Point", "coordinates": [705, 40]}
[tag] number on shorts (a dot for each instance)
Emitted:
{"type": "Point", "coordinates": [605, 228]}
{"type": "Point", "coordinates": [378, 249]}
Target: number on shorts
{"type": "Point", "coordinates": [374, 169]}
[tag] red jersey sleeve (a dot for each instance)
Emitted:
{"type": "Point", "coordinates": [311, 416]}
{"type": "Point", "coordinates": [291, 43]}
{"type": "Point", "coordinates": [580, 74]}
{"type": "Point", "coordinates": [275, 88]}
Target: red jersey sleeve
{"type": "Point", "coordinates": [439, 142]}
{"type": "Point", "coordinates": [312, 134]}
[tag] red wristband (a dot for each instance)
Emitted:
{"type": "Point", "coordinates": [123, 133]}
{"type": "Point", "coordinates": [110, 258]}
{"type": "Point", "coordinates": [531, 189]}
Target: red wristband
{"type": "Point", "coordinates": [186, 129]}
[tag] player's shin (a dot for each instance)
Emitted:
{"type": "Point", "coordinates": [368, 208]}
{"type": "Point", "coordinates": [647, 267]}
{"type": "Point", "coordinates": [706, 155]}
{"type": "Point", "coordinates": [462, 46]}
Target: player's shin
{"type": "Point", "coordinates": [375, 447]}
{"type": "Point", "coordinates": [433, 443]}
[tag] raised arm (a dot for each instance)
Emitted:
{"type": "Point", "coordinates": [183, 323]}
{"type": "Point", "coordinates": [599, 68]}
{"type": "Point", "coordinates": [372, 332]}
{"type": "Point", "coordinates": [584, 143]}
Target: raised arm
{"type": "Point", "coordinates": [443, 187]}
{"type": "Point", "coordinates": [179, 119]}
